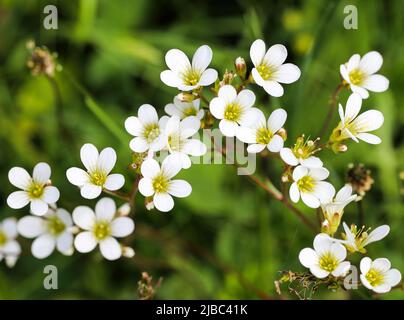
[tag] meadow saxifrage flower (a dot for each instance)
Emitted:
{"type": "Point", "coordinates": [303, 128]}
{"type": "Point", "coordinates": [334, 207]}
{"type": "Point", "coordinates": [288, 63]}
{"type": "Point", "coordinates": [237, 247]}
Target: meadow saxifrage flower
{"type": "Point", "coordinates": [377, 275]}
{"type": "Point", "coordinates": [10, 249]}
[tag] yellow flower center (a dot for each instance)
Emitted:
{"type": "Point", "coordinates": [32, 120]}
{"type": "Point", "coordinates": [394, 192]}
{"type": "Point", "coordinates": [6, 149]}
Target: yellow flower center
{"type": "Point", "coordinates": [101, 230]}
{"type": "Point", "coordinates": [55, 225]}
{"type": "Point", "coordinates": [35, 190]}
{"type": "Point", "coordinates": [375, 277]}
{"type": "Point", "coordinates": [191, 77]}
{"type": "Point", "coordinates": [306, 184]}
{"type": "Point", "coordinates": [303, 149]}
{"type": "Point", "coordinates": [189, 112]}
{"type": "Point", "coordinates": [175, 142]}
{"type": "Point", "coordinates": [151, 131]}
{"type": "Point", "coordinates": [265, 71]}
{"type": "Point", "coordinates": [328, 262]}
{"type": "Point", "coordinates": [232, 112]}
{"type": "Point", "coordinates": [263, 135]}
{"type": "Point", "coordinates": [356, 76]}
{"type": "Point", "coordinates": [3, 238]}
{"type": "Point", "coordinates": [98, 177]}
{"type": "Point", "coordinates": [160, 183]}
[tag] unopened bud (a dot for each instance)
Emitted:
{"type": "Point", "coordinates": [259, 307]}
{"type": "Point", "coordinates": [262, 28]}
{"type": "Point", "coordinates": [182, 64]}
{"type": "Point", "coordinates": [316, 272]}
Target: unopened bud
{"type": "Point", "coordinates": [128, 252]}
{"type": "Point", "coordinates": [283, 133]}
{"type": "Point", "coordinates": [241, 67]}
{"type": "Point", "coordinates": [124, 209]}
{"type": "Point", "coordinates": [149, 204]}
{"type": "Point", "coordinates": [74, 230]}
{"type": "Point", "coordinates": [186, 97]}
{"type": "Point", "coordinates": [339, 147]}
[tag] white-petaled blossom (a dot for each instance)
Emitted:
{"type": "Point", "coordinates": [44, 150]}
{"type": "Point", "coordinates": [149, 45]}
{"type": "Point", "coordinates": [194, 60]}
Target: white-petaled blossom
{"type": "Point", "coordinates": [327, 257]}
{"type": "Point", "coordinates": [97, 177]}
{"type": "Point", "coordinates": [309, 186]}
{"type": "Point", "coordinates": [53, 230]}
{"type": "Point", "coordinates": [157, 182]}
{"type": "Point", "coordinates": [146, 129]}
{"type": "Point", "coordinates": [35, 190]}
{"type": "Point", "coordinates": [359, 73]}
{"type": "Point", "coordinates": [302, 153]}
{"type": "Point", "coordinates": [101, 227]}
{"type": "Point", "coordinates": [262, 134]}
{"type": "Point", "coordinates": [9, 247]}
{"type": "Point", "coordinates": [179, 142]}
{"type": "Point", "coordinates": [187, 76]}
{"type": "Point", "coordinates": [269, 68]}
{"type": "Point", "coordinates": [184, 109]}
{"type": "Point", "coordinates": [378, 276]}
{"type": "Point", "coordinates": [233, 109]}
{"type": "Point", "coordinates": [357, 127]}
{"type": "Point", "coordinates": [356, 239]}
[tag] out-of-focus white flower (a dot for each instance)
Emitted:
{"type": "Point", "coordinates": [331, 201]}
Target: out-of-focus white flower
{"type": "Point", "coordinates": [378, 276]}
{"type": "Point", "coordinates": [53, 230]}
{"type": "Point", "coordinates": [269, 68]}
{"type": "Point", "coordinates": [35, 190]}
{"type": "Point", "coordinates": [97, 177]}
{"type": "Point", "coordinates": [146, 128]}
{"type": "Point", "coordinates": [157, 182]}
{"type": "Point", "coordinates": [360, 74]}
{"type": "Point", "coordinates": [101, 227]}
{"type": "Point", "coordinates": [184, 109]}
{"type": "Point", "coordinates": [262, 134]}
{"type": "Point", "coordinates": [233, 109]}
{"type": "Point", "coordinates": [326, 258]}
{"type": "Point", "coordinates": [302, 153]}
{"type": "Point", "coordinates": [10, 249]}
{"type": "Point", "coordinates": [309, 186]}
{"type": "Point", "coordinates": [186, 76]}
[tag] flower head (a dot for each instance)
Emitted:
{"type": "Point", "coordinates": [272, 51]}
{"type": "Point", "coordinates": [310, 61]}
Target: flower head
{"type": "Point", "coordinates": [97, 177]}
{"type": "Point", "coordinates": [184, 109]}
{"type": "Point", "coordinates": [157, 182]}
{"type": "Point", "coordinates": [53, 230]}
{"type": "Point", "coordinates": [269, 68]}
{"type": "Point", "coordinates": [262, 133]}
{"type": "Point", "coordinates": [302, 153]}
{"type": "Point", "coordinates": [101, 227]}
{"type": "Point", "coordinates": [187, 76]}
{"type": "Point", "coordinates": [359, 73]}
{"type": "Point", "coordinates": [146, 128]}
{"type": "Point", "coordinates": [359, 178]}
{"type": "Point", "coordinates": [233, 109]}
{"type": "Point", "coordinates": [35, 190]}
{"type": "Point", "coordinates": [327, 257]}
{"type": "Point", "coordinates": [309, 186]}
{"type": "Point", "coordinates": [10, 249]}
{"type": "Point", "coordinates": [378, 276]}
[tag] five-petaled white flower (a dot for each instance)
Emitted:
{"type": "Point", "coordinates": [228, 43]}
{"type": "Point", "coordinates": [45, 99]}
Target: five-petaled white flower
{"type": "Point", "coordinates": [360, 74]}
{"type": "Point", "coordinates": [186, 76]}
{"type": "Point", "coordinates": [10, 249]}
{"type": "Point", "coordinates": [35, 190]}
{"type": "Point", "coordinates": [327, 257]}
{"type": "Point", "coordinates": [262, 134]}
{"type": "Point", "coordinates": [357, 127]}
{"type": "Point", "coordinates": [101, 227]}
{"type": "Point", "coordinates": [269, 68]}
{"type": "Point", "coordinates": [233, 109]}
{"type": "Point", "coordinates": [97, 177]}
{"type": "Point", "coordinates": [146, 128]}
{"type": "Point", "coordinates": [378, 276]}
{"type": "Point", "coordinates": [184, 109]}
{"type": "Point", "coordinates": [55, 229]}
{"type": "Point", "coordinates": [157, 182]}
{"type": "Point", "coordinates": [309, 186]}
{"type": "Point", "coordinates": [179, 143]}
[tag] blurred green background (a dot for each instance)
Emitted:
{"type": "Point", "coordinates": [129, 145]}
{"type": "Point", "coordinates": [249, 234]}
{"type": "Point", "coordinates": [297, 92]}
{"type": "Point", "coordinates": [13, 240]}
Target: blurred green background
{"type": "Point", "coordinates": [228, 239]}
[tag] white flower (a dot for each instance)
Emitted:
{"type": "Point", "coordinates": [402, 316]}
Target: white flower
{"type": "Point", "coordinates": [302, 153]}
{"type": "Point", "coordinates": [184, 109]}
{"type": "Point", "coordinates": [186, 76]}
{"type": "Point", "coordinates": [356, 127]}
{"type": "Point", "coordinates": [101, 227]}
{"type": "Point", "coordinates": [178, 134]}
{"type": "Point", "coordinates": [9, 247]}
{"type": "Point", "coordinates": [327, 257]}
{"type": "Point", "coordinates": [360, 74]}
{"type": "Point", "coordinates": [146, 128]}
{"type": "Point", "coordinates": [376, 275]}
{"type": "Point", "coordinates": [356, 240]}
{"type": "Point", "coordinates": [157, 181]}
{"type": "Point", "coordinates": [269, 69]}
{"type": "Point", "coordinates": [35, 190]}
{"type": "Point", "coordinates": [309, 186]}
{"type": "Point", "coordinates": [97, 177]}
{"type": "Point", "coordinates": [54, 230]}
{"type": "Point", "coordinates": [233, 109]}
{"type": "Point", "coordinates": [261, 134]}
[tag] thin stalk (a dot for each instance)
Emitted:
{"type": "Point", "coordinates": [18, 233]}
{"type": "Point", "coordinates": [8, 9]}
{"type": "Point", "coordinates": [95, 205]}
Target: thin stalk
{"type": "Point", "coordinates": [331, 110]}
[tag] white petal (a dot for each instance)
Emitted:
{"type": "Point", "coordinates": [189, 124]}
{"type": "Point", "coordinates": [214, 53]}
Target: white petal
{"type": "Point", "coordinates": [318, 272]}
{"type": "Point", "coordinates": [110, 248]}
{"type": "Point", "coordinates": [365, 282]}
{"type": "Point", "coordinates": [294, 193]}
{"type": "Point", "coordinates": [159, 143]}
{"type": "Point", "coordinates": [273, 88]}
{"type": "Point", "coordinates": [85, 242]}
{"type": "Point", "coordinates": [371, 62]}
{"type": "Point", "coordinates": [393, 277]}
{"type": "Point", "coordinates": [228, 128]}
{"type": "Point", "coordinates": [376, 83]}
{"type": "Point", "coordinates": [344, 193]}
{"type": "Point", "coordinates": [308, 257]}
{"type": "Point", "coordinates": [185, 160]}
{"type": "Point", "coordinates": [177, 61]}
{"type": "Point", "coordinates": [255, 148]}
{"type": "Point", "coordinates": [194, 148]}
{"type": "Point", "coordinates": [146, 187]}
{"type": "Point", "coordinates": [276, 55]}
{"type": "Point", "coordinates": [257, 77]}
{"type": "Point", "coordinates": [171, 166]}
{"type": "Point", "coordinates": [246, 98]}
{"type": "Point", "coordinates": [353, 106]}
{"type": "Point", "coordinates": [276, 120]}
{"type": "Point", "coordinates": [41, 173]}
{"type": "Point", "coordinates": [353, 62]}
{"type": "Point", "coordinates": [90, 191]}
{"type": "Point", "coordinates": [31, 227]}
{"type": "Point", "coordinates": [257, 52]}
{"type": "Point", "coordinates": [189, 126]}
{"type": "Point", "coordinates": [172, 125]}
{"type": "Point", "coordinates": [202, 58]}
{"type": "Point", "coordinates": [249, 117]}
{"type": "Point", "coordinates": [51, 194]}
{"type": "Point", "coordinates": [43, 246]}
{"type": "Point", "coordinates": [369, 120]}
{"type": "Point", "coordinates": [365, 265]}
{"type": "Point", "coordinates": [312, 162]}
{"type": "Point", "coordinates": [138, 144]}
{"type": "Point", "coordinates": [378, 234]}
{"type": "Point", "coordinates": [114, 182]}
{"type": "Point", "coordinates": [170, 78]}
{"type": "Point", "coordinates": [64, 242]}
{"type": "Point", "coordinates": [288, 156]}
{"type": "Point", "coordinates": [39, 207]}
{"type": "Point", "coordinates": [319, 173]}
{"type": "Point", "coordinates": [19, 177]}
{"type": "Point", "coordinates": [287, 73]}
{"type": "Point", "coordinates": [65, 217]}
{"type": "Point", "coordinates": [163, 202]}
{"type": "Point", "coordinates": [208, 77]}
{"type": "Point", "coordinates": [217, 106]}
{"type": "Point", "coordinates": [338, 251]}
{"type": "Point", "coordinates": [324, 191]}
{"type": "Point", "coordinates": [84, 217]}
{"type": "Point", "coordinates": [228, 93]}
{"type": "Point", "coordinates": [179, 188]}
{"type": "Point", "coordinates": [361, 91]}
{"type": "Point", "coordinates": [322, 243]}
{"type": "Point", "coordinates": [344, 73]}
{"type": "Point", "coordinates": [150, 168]}
{"type": "Point", "coordinates": [369, 138]}
{"type": "Point", "coordinates": [246, 135]}
{"type": "Point", "coordinates": [310, 200]}
{"type": "Point", "coordinates": [299, 172]}
{"type": "Point", "coordinates": [342, 269]}
{"type": "Point", "coordinates": [382, 288]}
{"type": "Point", "coordinates": [11, 248]}
{"type": "Point", "coordinates": [122, 227]}
{"type": "Point", "coordinates": [18, 199]}
{"type": "Point", "coordinates": [105, 209]}
{"type": "Point", "coordinates": [10, 228]}
{"type": "Point", "coordinates": [147, 114]}
{"type": "Point", "coordinates": [77, 176]}
{"type": "Point", "coordinates": [89, 156]}
{"type": "Point", "coordinates": [173, 110]}
{"type": "Point", "coordinates": [381, 264]}
{"type": "Point", "coordinates": [276, 144]}
{"type": "Point", "coordinates": [107, 160]}
{"type": "Point", "coordinates": [133, 126]}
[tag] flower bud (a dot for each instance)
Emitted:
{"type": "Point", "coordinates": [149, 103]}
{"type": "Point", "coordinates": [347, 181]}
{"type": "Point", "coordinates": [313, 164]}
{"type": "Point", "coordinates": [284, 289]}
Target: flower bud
{"type": "Point", "coordinates": [241, 67]}
{"type": "Point", "coordinates": [128, 252]}
{"type": "Point", "coordinates": [149, 204]}
{"type": "Point", "coordinates": [186, 97]}
{"type": "Point", "coordinates": [124, 209]}
{"type": "Point", "coordinates": [359, 178]}
{"type": "Point", "coordinates": [283, 133]}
